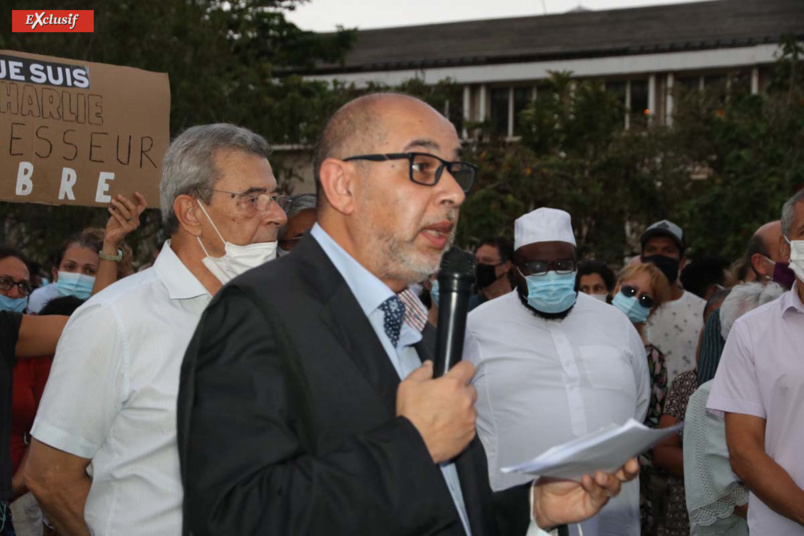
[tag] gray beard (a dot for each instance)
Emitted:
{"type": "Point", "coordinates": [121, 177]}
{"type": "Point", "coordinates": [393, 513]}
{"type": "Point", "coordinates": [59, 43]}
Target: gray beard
{"type": "Point", "coordinates": [398, 265]}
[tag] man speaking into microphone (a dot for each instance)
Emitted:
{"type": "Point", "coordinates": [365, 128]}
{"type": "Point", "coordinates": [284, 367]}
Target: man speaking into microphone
{"type": "Point", "coordinates": [304, 406]}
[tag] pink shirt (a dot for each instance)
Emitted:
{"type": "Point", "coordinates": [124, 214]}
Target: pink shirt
{"type": "Point", "coordinates": [761, 373]}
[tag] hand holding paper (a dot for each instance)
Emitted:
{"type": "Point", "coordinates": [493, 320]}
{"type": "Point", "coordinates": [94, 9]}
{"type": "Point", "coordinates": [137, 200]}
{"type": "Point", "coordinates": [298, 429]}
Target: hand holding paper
{"type": "Point", "coordinates": [565, 491]}
{"type": "Point", "coordinates": [557, 502]}
{"type": "Point", "coordinates": [605, 450]}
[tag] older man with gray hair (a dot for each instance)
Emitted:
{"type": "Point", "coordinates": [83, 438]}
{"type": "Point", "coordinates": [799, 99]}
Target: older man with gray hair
{"type": "Point", "coordinates": [759, 386]}
{"type": "Point", "coordinates": [104, 458]}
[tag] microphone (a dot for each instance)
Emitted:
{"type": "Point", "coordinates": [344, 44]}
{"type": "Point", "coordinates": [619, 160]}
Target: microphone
{"type": "Point", "coordinates": [455, 279]}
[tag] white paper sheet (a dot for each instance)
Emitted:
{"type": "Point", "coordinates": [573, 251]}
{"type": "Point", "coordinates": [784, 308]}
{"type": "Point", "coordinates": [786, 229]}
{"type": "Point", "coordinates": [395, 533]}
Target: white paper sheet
{"type": "Point", "coordinates": [605, 450]}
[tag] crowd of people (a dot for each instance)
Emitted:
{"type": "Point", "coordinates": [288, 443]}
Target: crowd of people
{"type": "Point", "coordinates": [270, 371]}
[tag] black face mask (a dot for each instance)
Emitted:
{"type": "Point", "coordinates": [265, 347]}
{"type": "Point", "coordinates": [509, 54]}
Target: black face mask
{"type": "Point", "coordinates": [668, 266]}
{"type": "Point", "coordinates": [485, 275]}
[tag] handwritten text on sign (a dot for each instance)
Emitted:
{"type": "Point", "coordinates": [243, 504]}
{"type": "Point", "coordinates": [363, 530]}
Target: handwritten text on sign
{"type": "Point", "coordinates": [78, 133]}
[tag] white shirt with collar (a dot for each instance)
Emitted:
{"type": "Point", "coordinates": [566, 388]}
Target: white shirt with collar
{"type": "Point", "coordinates": [541, 383]}
{"type": "Point", "coordinates": [761, 373]}
{"type": "Point", "coordinates": [111, 396]}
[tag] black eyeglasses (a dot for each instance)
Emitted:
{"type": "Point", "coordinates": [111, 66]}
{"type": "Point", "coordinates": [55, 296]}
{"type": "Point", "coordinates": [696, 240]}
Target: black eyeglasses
{"type": "Point", "coordinates": [260, 201]}
{"type": "Point", "coordinates": [6, 283]}
{"type": "Point", "coordinates": [563, 267]}
{"type": "Point", "coordinates": [644, 300]}
{"type": "Point", "coordinates": [426, 169]}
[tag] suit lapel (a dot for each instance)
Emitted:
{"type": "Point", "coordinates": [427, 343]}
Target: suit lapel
{"type": "Point", "coordinates": [344, 317]}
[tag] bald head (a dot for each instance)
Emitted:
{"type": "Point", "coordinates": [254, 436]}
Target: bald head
{"type": "Point", "coordinates": [771, 235]}
{"type": "Point", "coordinates": [359, 126]}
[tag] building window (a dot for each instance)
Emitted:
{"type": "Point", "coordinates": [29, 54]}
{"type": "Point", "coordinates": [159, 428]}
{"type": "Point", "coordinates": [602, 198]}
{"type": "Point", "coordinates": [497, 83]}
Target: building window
{"type": "Point", "coordinates": [521, 100]}
{"type": "Point", "coordinates": [499, 110]}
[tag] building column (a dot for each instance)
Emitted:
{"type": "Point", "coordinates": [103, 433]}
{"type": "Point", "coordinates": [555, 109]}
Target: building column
{"type": "Point", "coordinates": [651, 98]}
{"type": "Point", "coordinates": [669, 107]}
{"type": "Point", "coordinates": [510, 112]}
{"type": "Point", "coordinates": [754, 80]}
{"type": "Point", "coordinates": [481, 103]}
{"type": "Point", "coordinates": [627, 104]}
{"type": "Point", "coordinates": [467, 109]}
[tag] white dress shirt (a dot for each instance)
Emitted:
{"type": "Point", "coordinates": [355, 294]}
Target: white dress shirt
{"type": "Point", "coordinates": [761, 373]}
{"type": "Point", "coordinates": [542, 382]}
{"type": "Point", "coordinates": [111, 396]}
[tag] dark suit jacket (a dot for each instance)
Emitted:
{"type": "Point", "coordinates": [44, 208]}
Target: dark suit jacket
{"type": "Point", "coordinates": [287, 420]}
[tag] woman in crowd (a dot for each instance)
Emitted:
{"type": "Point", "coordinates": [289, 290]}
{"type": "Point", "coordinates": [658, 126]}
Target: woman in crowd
{"type": "Point", "coordinates": [21, 336]}
{"type": "Point", "coordinates": [669, 455]}
{"type": "Point", "coordinates": [640, 290]}
{"type": "Point", "coordinates": [596, 279]}
{"type": "Point", "coordinates": [94, 257]}
{"type": "Point", "coordinates": [716, 500]}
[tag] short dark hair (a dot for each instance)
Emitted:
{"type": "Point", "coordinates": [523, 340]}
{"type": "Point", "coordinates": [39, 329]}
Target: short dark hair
{"type": "Point", "coordinates": [7, 251]}
{"type": "Point", "coordinates": [503, 245]}
{"type": "Point", "coordinates": [702, 273]}
{"type": "Point", "coordinates": [596, 267]}
{"type": "Point", "coordinates": [756, 245]}
{"type": "Point", "coordinates": [63, 305]}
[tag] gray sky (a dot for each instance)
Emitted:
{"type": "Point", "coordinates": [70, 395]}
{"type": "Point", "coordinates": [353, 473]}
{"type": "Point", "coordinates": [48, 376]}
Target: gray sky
{"type": "Point", "coordinates": [325, 15]}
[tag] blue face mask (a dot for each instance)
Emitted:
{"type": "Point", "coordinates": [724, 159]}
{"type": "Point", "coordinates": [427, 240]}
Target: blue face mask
{"type": "Point", "coordinates": [72, 284]}
{"type": "Point", "coordinates": [552, 292]}
{"type": "Point", "coordinates": [15, 305]}
{"type": "Point", "coordinates": [434, 291]}
{"type": "Point", "coordinates": [635, 311]}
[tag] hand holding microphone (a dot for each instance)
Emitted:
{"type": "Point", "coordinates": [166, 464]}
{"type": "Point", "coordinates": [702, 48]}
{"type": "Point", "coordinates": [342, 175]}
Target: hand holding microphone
{"type": "Point", "coordinates": [437, 397]}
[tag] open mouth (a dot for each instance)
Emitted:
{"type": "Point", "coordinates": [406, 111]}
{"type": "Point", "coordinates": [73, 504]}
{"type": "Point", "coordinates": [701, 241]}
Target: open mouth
{"type": "Point", "coordinates": [438, 234]}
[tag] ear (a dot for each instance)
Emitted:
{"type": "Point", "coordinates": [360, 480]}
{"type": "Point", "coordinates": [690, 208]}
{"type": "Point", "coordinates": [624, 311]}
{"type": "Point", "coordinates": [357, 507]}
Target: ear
{"type": "Point", "coordinates": [339, 182]}
{"type": "Point", "coordinates": [507, 265]}
{"type": "Point", "coordinates": [682, 263]}
{"type": "Point", "coordinates": [756, 263]}
{"type": "Point", "coordinates": [55, 273]}
{"type": "Point", "coordinates": [189, 215]}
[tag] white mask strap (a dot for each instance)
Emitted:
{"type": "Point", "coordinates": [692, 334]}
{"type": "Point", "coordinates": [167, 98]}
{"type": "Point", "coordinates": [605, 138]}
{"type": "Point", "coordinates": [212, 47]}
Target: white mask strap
{"type": "Point", "coordinates": [213, 226]}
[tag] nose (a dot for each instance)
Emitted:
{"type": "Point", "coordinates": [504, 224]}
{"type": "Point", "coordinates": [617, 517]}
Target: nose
{"type": "Point", "coordinates": [449, 191]}
{"type": "Point", "coordinates": [14, 292]}
{"type": "Point", "coordinates": [274, 216]}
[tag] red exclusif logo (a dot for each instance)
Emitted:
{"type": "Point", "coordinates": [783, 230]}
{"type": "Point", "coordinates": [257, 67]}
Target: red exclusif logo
{"type": "Point", "coordinates": [52, 20]}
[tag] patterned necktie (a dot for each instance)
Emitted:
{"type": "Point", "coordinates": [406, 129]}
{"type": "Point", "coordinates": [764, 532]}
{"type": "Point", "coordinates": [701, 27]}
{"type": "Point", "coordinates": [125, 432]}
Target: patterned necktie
{"type": "Point", "coordinates": [394, 314]}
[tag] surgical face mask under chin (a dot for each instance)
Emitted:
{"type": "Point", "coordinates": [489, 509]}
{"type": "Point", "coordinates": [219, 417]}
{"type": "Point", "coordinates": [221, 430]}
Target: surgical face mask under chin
{"type": "Point", "coordinates": [236, 259]}
{"type": "Point", "coordinates": [14, 305]}
{"type": "Point", "coordinates": [73, 284]}
{"type": "Point", "coordinates": [797, 258]}
{"type": "Point", "coordinates": [635, 311]}
{"type": "Point", "coordinates": [551, 293]}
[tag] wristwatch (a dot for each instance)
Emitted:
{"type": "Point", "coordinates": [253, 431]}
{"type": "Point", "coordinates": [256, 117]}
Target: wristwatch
{"type": "Point", "coordinates": [113, 258]}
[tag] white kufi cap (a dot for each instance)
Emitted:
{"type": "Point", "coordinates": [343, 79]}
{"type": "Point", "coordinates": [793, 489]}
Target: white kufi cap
{"type": "Point", "coordinates": [543, 225]}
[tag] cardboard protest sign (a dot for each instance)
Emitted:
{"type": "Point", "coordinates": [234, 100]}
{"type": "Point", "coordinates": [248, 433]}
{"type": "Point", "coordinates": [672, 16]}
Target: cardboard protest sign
{"type": "Point", "coordinates": [77, 133]}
